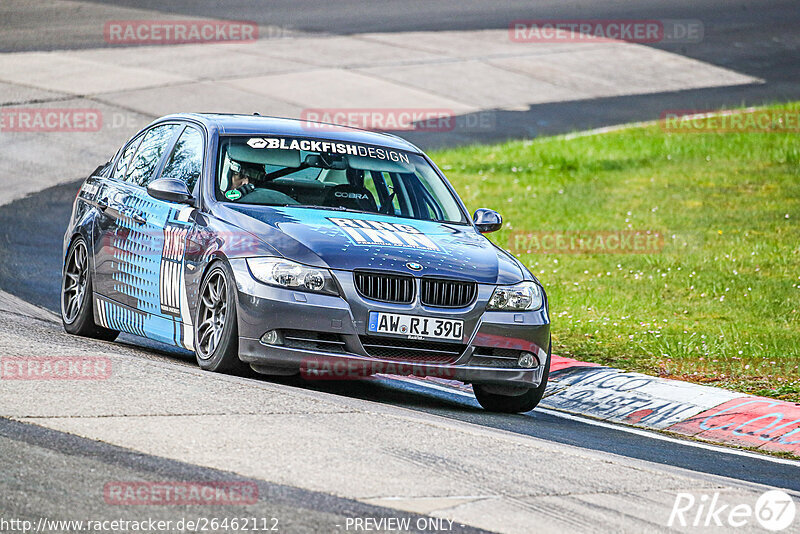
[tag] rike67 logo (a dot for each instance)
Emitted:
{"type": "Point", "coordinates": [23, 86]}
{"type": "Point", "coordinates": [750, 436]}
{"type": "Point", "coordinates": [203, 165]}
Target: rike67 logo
{"type": "Point", "coordinates": [774, 511]}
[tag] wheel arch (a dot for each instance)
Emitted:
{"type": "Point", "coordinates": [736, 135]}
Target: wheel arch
{"type": "Point", "coordinates": [78, 232]}
{"type": "Point", "coordinates": [215, 257]}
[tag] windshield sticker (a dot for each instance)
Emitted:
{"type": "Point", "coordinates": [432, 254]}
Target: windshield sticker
{"type": "Point", "coordinates": [309, 145]}
{"type": "Point", "coordinates": [233, 194]}
{"type": "Point", "coordinates": [366, 232]}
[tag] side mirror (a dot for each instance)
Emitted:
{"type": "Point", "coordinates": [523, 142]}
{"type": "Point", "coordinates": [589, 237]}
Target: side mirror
{"type": "Point", "coordinates": [487, 220]}
{"type": "Point", "coordinates": [171, 190]}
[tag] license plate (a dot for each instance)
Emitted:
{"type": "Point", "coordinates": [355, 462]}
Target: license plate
{"type": "Point", "coordinates": [415, 327]}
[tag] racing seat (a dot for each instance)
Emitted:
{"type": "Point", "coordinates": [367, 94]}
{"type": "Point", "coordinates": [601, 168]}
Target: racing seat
{"type": "Point", "coordinates": [352, 197]}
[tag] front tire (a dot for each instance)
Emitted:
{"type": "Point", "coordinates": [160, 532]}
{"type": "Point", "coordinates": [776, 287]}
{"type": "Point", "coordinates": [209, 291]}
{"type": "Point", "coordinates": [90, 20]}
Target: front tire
{"type": "Point", "coordinates": [77, 312]}
{"type": "Point", "coordinates": [216, 332]}
{"type": "Point", "coordinates": [490, 399]}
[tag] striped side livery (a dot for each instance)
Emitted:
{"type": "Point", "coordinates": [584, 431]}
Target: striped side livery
{"type": "Point", "coordinates": [171, 270]}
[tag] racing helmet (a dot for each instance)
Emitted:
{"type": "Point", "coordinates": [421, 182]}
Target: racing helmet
{"type": "Point", "coordinates": [254, 171]}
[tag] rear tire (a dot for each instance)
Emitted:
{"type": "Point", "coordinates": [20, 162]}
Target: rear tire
{"type": "Point", "coordinates": [524, 401]}
{"type": "Point", "coordinates": [216, 333]}
{"type": "Point", "coordinates": [77, 302]}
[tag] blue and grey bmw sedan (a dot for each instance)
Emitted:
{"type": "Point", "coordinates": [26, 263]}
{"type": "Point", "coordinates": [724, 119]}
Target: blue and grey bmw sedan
{"type": "Point", "coordinates": [294, 248]}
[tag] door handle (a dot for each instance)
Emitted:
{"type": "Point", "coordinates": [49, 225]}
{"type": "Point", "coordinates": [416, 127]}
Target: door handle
{"type": "Point", "coordinates": [102, 204]}
{"type": "Point", "coordinates": [138, 217]}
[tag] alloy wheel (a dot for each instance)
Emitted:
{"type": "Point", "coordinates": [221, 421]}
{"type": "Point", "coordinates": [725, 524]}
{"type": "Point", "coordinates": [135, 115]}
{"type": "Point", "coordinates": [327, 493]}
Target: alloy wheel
{"type": "Point", "coordinates": [213, 311]}
{"type": "Point", "coordinates": [76, 275]}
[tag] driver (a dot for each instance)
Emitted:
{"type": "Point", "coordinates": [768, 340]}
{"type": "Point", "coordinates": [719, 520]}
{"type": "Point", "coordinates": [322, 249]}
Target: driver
{"type": "Point", "coordinates": [241, 179]}
{"type": "Point", "coordinates": [243, 174]}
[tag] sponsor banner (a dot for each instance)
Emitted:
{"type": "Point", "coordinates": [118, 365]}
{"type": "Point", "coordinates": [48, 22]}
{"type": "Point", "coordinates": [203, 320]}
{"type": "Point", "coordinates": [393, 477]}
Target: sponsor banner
{"type": "Point", "coordinates": [733, 121]}
{"type": "Point", "coordinates": [330, 147]}
{"type": "Point", "coordinates": [50, 120]}
{"type": "Point", "coordinates": [127, 493]}
{"type": "Point", "coordinates": [170, 32]}
{"type": "Point", "coordinates": [631, 398]}
{"type": "Point", "coordinates": [332, 368]}
{"type": "Point", "coordinates": [55, 368]}
{"type": "Point", "coordinates": [768, 424]}
{"type": "Point", "coordinates": [606, 31]}
{"type": "Point", "coordinates": [586, 242]}
{"type": "Point", "coordinates": [397, 119]}
{"type": "Point", "coordinates": [368, 232]}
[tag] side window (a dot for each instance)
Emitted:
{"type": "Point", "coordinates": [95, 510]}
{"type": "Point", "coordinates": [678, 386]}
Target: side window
{"type": "Point", "coordinates": [140, 170]}
{"type": "Point", "coordinates": [186, 160]}
{"type": "Point", "coordinates": [122, 165]}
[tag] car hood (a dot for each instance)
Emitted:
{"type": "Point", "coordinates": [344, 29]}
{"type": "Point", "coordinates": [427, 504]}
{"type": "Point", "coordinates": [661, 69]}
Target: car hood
{"type": "Point", "coordinates": [348, 241]}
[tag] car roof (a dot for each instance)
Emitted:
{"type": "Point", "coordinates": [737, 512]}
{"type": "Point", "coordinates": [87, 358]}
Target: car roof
{"type": "Point", "coordinates": [233, 124]}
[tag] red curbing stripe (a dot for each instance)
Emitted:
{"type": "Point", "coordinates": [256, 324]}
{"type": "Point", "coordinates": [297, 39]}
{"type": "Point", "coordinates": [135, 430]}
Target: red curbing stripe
{"type": "Point", "coordinates": [767, 424]}
{"type": "Point", "coordinates": [559, 363]}
{"type": "Point", "coordinates": [708, 413]}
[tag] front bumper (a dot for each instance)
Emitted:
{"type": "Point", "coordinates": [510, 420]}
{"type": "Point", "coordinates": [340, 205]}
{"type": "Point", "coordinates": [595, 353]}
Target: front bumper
{"type": "Point", "coordinates": [262, 308]}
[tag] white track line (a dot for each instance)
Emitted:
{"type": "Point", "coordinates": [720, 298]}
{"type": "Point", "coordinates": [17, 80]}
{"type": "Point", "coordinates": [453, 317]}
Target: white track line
{"type": "Point", "coordinates": [620, 428]}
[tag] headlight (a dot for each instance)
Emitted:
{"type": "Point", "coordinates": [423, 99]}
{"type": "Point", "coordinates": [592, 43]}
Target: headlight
{"type": "Point", "coordinates": [523, 296]}
{"type": "Point", "coordinates": [286, 273]}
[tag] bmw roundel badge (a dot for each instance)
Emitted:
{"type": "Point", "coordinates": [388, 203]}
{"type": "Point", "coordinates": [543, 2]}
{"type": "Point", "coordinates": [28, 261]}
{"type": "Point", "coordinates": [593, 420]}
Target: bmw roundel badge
{"type": "Point", "coordinates": [414, 266]}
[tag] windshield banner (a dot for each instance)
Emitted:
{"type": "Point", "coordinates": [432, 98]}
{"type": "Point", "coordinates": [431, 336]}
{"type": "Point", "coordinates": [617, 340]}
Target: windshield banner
{"type": "Point", "coordinates": [329, 147]}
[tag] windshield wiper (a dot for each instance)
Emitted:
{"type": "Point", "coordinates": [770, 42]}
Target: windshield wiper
{"type": "Point", "coordinates": [317, 206]}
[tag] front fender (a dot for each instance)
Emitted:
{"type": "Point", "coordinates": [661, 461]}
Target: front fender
{"type": "Point", "coordinates": [213, 239]}
{"type": "Point", "coordinates": [81, 223]}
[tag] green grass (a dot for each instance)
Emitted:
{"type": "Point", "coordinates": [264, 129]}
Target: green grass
{"type": "Point", "coordinates": [718, 304]}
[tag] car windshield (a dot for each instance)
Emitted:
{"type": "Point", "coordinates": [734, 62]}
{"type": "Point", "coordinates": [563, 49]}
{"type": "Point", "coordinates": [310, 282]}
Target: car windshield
{"type": "Point", "coordinates": [330, 174]}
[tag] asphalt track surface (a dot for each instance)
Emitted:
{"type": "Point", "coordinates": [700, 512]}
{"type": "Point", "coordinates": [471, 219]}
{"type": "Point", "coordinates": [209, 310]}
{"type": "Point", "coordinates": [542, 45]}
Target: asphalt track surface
{"type": "Point", "coordinates": [750, 37]}
{"type": "Point", "coordinates": [49, 460]}
{"type": "Point", "coordinates": [30, 241]}
{"type": "Point", "coordinates": [552, 426]}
